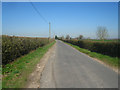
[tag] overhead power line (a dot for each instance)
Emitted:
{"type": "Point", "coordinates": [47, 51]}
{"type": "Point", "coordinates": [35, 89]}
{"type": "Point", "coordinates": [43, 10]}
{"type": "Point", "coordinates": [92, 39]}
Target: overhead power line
{"type": "Point", "coordinates": [38, 12]}
{"type": "Point", "coordinates": [42, 18]}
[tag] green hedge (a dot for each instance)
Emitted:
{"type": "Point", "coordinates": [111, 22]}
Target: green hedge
{"type": "Point", "coordinates": [14, 47]}
{"type": "Point", "coordinates": [106, 48]}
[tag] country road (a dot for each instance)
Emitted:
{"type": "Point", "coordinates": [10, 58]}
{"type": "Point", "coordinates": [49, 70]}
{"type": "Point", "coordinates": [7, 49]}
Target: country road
{"type": "Point", "coordinates": [68, 68]}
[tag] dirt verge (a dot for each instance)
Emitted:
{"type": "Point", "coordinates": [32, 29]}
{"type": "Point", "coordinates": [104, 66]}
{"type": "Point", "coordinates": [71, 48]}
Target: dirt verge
{"type": "Point", "coordinates": [34, 78]}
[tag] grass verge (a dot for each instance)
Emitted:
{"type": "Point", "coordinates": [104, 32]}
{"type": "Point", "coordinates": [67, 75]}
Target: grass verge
{"type": "Point", "coordinates": [111, 61]}
{"type": "Point", "coordinates": [15, 74]}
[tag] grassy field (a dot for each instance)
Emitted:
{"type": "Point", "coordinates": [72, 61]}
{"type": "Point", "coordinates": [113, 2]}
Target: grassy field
{"type": "Point", "coordinates": [16, 73]}
{"type": "Point", "coordinates": [111, 40]}
{"type": "Point", "coordinates": [111, 61]}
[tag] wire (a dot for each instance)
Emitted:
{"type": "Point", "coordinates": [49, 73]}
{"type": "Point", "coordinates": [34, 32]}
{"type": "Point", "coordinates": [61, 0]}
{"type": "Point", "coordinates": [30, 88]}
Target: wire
{"type": "Point", "coordinates": [38, 12]}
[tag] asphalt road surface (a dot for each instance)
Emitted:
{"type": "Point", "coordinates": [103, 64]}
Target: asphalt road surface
{"type": "Point", "coordinates": [68, 68]}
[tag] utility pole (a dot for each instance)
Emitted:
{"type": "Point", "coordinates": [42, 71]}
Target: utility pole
{"type": "Point", "coordinates": [49, 30]}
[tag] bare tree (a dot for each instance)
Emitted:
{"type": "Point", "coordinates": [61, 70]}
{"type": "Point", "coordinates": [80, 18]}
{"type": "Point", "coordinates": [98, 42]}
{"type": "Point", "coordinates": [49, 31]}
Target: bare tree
{"type": "Point", "coordinates": [62, 37]}
{"type": "Point", "coordinates": [67, 37]}
{"type": "Point", "coordinates": [80, 37]}
{"type": "Point", "coordinates": [102, 33]}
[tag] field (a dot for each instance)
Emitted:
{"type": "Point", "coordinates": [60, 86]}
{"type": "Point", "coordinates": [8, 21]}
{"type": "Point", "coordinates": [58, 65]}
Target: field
{"type": "Point", "coordinates": [107, 40]}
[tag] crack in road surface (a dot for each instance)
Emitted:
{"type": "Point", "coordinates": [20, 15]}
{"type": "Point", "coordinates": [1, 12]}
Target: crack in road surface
{"type": "Point", "coordinates": [68, 68]}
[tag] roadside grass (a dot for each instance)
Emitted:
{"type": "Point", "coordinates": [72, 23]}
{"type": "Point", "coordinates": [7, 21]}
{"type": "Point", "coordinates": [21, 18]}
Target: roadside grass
{"type": "Point", "coordinates": [16, 73]}
{"type": "Point", "coordinates": [0, 77]}
{"type": "Point", "coordinates": [111, 61]}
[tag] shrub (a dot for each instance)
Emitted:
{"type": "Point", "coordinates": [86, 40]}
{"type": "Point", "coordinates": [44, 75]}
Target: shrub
{"type": "Point", "coordinates": [106, 48]}
{"type": "Point", "coordinates": [14, 47]}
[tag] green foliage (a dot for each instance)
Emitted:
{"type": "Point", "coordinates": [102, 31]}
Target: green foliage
{"type": "Point", "coordinates": [106, 48]}
{"type": "Point", "coordinates": [14, 47]}
{"type": "Point", "coordinates": [15, 74]}
{"type": "Point", "coordinates": [111, 61]}
{"type": "Point", "coordinates": [56, 37]}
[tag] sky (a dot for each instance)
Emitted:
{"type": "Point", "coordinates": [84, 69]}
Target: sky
{"type": "Point", "coordinates": [72, 18]}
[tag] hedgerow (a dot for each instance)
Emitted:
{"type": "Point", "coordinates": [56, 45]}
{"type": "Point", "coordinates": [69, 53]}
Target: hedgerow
{"type": "Point", "coordinates": [106, 48]}
{"type": "Point", "coordinates": [14, 47]}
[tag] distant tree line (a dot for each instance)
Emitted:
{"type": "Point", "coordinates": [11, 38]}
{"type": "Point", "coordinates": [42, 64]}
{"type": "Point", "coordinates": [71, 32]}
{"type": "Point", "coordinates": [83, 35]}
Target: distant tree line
{"type": "Point", "coordinates": [68, 37]}
{"type": "Point", "coordinates": [101, 33]}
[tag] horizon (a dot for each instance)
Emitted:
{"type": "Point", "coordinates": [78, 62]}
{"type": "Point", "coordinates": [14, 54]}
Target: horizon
{"type": "Point", "coordinates": [72, 18]}
{"type": "Point", "coordinates": [59, 37]}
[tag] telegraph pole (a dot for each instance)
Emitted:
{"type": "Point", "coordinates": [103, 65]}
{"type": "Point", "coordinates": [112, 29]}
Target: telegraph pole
{"type": "Point", "coordinates": [49, 30]}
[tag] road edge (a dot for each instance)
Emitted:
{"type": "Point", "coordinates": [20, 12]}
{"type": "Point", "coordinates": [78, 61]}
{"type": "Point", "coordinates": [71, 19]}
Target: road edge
{"type": "Point", "coordinates": [34, 78]}
{"type": "Point", "coordinates": [101, 62]}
